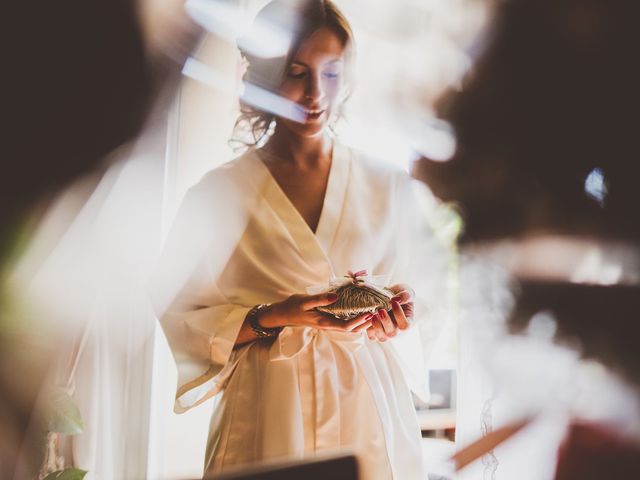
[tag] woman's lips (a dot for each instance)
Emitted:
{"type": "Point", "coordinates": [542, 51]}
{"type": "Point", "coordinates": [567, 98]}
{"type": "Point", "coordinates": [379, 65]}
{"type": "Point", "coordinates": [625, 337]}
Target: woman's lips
{"type": "Point", "coordinates": [312, 114]}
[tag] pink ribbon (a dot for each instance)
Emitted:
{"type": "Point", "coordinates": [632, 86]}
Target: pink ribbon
{"type": "Point", "coordinates": [354, 276]}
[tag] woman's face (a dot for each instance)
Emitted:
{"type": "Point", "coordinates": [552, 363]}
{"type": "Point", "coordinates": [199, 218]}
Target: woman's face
{"type": "Point", "coordinates": [314, 81]}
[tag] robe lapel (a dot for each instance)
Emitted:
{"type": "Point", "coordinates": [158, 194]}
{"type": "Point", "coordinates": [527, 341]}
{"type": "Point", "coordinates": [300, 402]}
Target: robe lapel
{"type": "Point", "coordinates": [335, 196]}
{"type": "Point", "coordinates": [314, 248]}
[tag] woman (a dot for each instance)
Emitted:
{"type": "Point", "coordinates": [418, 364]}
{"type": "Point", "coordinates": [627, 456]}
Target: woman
{"type": "Point", "coordinates": [304, 209]}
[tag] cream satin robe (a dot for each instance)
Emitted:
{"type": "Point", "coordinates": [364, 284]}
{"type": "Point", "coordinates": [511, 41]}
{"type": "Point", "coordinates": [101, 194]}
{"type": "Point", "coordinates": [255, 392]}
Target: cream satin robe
{"type": "Point", "coordinates": [307, 390]}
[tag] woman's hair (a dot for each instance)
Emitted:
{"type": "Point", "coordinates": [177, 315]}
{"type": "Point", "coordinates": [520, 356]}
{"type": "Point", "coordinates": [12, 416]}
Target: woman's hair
{"type": "Point", "coordinates": [299, 19]}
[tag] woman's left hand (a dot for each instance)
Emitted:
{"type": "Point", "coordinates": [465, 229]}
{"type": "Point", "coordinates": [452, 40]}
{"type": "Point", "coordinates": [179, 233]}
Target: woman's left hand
{"type": "Point", "coordinates": [385, 325]}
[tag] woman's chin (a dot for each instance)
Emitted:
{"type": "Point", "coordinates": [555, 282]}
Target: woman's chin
{"type": "Point", "coordinates": [309, 129]}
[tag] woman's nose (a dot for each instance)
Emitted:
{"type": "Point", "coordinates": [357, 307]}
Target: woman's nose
{"type": "Point", "coordinates": [314, 89]}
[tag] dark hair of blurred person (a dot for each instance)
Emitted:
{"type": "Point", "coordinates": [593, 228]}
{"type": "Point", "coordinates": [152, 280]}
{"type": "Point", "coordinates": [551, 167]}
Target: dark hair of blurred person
{"type": "Point", "coordinates": [553, 100]}
{"type": "Point", "coordinates": [553, 96]}
{"type": "Point", "coordinates": [540, 112]}
{"type": "Point", "coordinates": [78, 87]}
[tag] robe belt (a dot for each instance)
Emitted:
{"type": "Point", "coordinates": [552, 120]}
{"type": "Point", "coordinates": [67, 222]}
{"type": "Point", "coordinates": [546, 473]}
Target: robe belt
{"type": "Point", "coordinates": [333, 371]}
{"type": "Point", "coordinates": [293, 340]}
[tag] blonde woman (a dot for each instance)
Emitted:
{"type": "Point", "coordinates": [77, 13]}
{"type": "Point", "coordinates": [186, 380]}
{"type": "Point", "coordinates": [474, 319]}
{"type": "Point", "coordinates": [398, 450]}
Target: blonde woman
{"type": "Point", "coordinates": [306, 209]}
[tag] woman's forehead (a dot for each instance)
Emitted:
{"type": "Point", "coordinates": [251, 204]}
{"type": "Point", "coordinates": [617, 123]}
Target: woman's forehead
{"type": "Point", "coordinates": [322, 46]}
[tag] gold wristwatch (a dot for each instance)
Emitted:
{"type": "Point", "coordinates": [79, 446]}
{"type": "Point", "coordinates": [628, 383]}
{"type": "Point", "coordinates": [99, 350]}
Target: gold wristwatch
{"type": "Point", "coordinates": [259, 330]}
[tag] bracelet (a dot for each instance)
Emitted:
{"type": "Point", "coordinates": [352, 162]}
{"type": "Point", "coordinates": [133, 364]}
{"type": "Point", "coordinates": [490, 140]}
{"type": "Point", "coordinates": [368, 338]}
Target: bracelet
{"type": "Point", "coordinates": [259, 330]}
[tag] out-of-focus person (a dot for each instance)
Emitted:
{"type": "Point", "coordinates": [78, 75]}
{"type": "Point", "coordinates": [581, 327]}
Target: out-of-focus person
{"type": "Point", "coordinates": [545, 176]}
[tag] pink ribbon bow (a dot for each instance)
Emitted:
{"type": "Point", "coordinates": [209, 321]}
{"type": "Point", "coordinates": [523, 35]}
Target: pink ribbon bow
{"type": "Point", "coordinates": [354, 276]}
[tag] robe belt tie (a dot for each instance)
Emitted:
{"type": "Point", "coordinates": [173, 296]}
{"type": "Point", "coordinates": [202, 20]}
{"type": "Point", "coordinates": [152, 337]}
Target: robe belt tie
{"type": "Point", "coordinates": [293, 340]}
{"type": "Point", "coordinates": [333, 370]}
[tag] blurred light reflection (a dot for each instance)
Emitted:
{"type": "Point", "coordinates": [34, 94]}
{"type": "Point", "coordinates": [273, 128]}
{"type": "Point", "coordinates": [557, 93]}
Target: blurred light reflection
{"type": "Point", "coordinates": [230, 22]}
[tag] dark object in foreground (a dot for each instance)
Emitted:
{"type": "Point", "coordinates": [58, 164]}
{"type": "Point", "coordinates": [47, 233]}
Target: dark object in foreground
{"type": "Point", "coordinates": [546, 131]}
{"type": "Point", "coordinates": [538, 114]}
{"type": "Point", "coordinates": [603, 319]}
{"type": "Point", "coordinates": [344, 467]}
{"type": "Point", "coordinates": [593, 452]}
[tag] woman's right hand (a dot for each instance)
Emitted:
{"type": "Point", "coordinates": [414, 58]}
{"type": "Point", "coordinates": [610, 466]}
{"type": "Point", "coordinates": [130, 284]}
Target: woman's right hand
{"type": "Point", "coordinates": [299, 311]}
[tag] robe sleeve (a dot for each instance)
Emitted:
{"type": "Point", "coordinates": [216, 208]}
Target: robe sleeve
{"type": "Point", "coordinates": [202, 327]}
{"type": "Point", "coordinates": [200, 324]}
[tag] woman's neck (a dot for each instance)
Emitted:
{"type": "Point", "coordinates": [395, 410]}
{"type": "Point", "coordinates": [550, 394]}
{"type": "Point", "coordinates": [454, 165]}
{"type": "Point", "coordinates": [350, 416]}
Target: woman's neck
{"type": "Point", "coordinates": [303, 152]}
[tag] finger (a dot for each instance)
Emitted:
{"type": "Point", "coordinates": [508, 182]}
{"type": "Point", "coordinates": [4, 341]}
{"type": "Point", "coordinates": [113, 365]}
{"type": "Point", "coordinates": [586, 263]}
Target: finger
{"type": "Point", "coordinates": [408, 310]}
{"type": "Point", "coordinates": [403, 297]}
{"type": "Point", "coordinates": [389, 327]}
{"type": "Point", "coordinates": [399, 316]}
{"type": "Point", "coordinates": [377, 329]}
{"type": "Point", "coordinates": [362, 327]}
{"type": "Point", "coordinates": [357, 321]}
{"type": "Point", "coordinates": [403, 293]}
{"type": "Point", "coordinates": [325, 321]}
{"type": "Point", "coordinates": [309, 302]}
{"type": "Point", "coordinates": [371, 331]}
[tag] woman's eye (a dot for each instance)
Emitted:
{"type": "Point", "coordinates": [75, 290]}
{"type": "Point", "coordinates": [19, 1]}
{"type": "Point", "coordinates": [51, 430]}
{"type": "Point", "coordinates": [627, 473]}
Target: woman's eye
{"type": "Point", "coordinates": [331, 75]}
{"type": "Point", "coordinates": [297, 74]}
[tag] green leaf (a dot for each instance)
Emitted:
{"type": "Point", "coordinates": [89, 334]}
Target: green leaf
{"type": "Point", "coordinates": [67, 474]}
{"type": "Point", "coordinates": [65, 417]}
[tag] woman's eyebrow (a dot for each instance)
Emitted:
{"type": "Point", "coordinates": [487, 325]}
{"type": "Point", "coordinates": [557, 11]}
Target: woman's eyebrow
{"type": "Point", "coordinates": [302, 64]}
